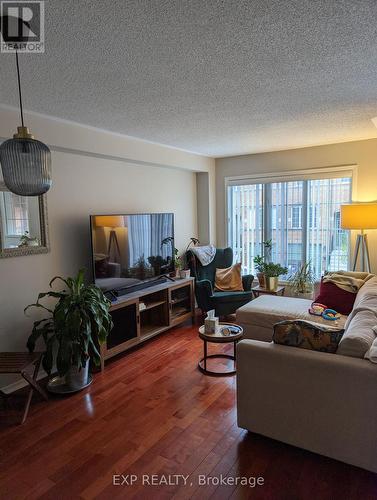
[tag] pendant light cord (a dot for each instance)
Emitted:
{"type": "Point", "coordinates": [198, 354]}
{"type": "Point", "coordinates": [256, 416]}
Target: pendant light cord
{"type": "Point", "coordinates": [19, 89]}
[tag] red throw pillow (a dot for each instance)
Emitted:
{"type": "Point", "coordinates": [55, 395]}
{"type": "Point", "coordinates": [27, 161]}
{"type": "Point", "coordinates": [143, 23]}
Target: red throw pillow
{"type": "Point", "coordinates": [335, 298]}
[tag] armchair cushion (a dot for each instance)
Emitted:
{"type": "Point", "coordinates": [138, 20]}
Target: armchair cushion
{"type": "Point", "coordinates": [229, 279]}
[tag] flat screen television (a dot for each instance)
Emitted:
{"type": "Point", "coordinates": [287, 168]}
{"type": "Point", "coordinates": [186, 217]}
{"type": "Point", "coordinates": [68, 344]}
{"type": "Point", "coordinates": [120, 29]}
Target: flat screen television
{"type": "Point", "coordinates": [132, 249]}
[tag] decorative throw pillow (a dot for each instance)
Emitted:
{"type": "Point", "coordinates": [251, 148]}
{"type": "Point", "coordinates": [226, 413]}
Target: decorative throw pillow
{"type": "Point", "coordinates": [336, 298]}
{"type": "Point", "coordinates": [229, 279]}
{"type": "Point", "coordinates": [307, 335]}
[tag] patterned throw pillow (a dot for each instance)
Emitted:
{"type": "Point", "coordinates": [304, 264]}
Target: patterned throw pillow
{"type": "Point", "coordinates": [307, 335]}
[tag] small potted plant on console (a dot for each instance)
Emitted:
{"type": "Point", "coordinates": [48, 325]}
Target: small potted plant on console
{"type": "Point", "coordinates": [76, 326]}
{"type": "Point", "coordinates": [185, 271]}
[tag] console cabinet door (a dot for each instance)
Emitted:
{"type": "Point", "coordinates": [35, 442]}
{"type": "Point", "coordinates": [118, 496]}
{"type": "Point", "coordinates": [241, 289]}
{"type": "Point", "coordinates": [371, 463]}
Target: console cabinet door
{"type": "Point", "coordinates": [180, 303]}
{"type": "Point", "coordinates": [126, 330]}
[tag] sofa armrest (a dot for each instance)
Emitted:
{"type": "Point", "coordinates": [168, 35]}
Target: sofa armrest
{"type": "Point", "coordinates": [247, 282]}
{"type": "Point", "coordinates": [322, 402]}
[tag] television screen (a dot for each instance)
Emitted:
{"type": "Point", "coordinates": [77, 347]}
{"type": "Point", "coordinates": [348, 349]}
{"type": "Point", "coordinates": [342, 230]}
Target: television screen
{"type": "Point", "coordinates": [130, 249]}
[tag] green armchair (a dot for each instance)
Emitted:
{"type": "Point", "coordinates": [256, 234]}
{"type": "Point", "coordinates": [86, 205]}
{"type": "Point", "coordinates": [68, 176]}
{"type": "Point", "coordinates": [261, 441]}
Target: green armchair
{"type": "Point", "coordinates": [224, 303]}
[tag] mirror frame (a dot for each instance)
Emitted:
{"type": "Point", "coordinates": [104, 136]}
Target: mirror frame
{"type": "Point", "coordinates": [45, 241]}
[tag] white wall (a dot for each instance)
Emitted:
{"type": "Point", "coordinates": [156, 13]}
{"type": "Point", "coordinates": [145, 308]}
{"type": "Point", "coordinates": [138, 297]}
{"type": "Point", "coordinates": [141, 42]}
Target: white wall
{"type": "Point", "coordinates": [84, 184]}
{"type": "Point", "coordinates": [361, 153]}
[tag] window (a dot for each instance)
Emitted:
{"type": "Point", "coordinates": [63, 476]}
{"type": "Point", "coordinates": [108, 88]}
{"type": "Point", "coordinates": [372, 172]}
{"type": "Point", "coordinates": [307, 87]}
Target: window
{"type": "Point", "coordinates": [296, 217]}
{"type": "Point", "coordinates": [337, 220]}
{"type": "Point", "coordinates": [313, 216]}
{"type": "Point", "coordinates": [274, 218]}
{"type": "Point", "coordinates": [302, 218]}
{"type": "Point", "coordinates": [16, 214]}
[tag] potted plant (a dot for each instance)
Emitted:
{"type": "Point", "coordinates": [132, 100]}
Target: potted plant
{"type": "Point", "coordinates": [27, 241]}
{"type": "Point", "coordinates": [260, 262]}
{"type": "Point", "coordinates": [78, 323]}
{"type": "Point", "coordinates": [178, 262]}
{"type": "Point", "coordinates": [194, 242]}
{"type": "Point", "coordinates": [259, 265]}
{"type": "Point", "coordinates": [185, 271]}
{"type": "Point", "coordinates": [302, 281]}
{"type": "Point", "coordinates": [157, 262]}
{"type": "Point", "coordinates": [272, 272]}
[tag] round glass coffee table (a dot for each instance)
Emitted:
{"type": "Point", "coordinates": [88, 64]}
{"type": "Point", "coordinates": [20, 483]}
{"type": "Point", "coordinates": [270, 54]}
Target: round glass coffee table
{"type": "Point", "coordinates": [227, 333]}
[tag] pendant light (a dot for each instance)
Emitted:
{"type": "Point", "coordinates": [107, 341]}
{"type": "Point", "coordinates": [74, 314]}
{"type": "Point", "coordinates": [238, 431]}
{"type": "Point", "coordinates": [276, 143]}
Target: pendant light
{"type": "Point", "coordinates": [25, 162]}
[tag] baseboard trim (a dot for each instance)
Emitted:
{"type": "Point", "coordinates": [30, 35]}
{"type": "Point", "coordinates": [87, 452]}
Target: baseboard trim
{"type": "Point", "coordinates": [20, 384]}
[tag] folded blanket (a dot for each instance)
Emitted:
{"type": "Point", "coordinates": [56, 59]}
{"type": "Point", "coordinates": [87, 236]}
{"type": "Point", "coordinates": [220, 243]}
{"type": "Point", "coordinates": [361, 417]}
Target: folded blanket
{"type": "Point", "coordinates": [205, 254]}
{"type": "Point", "coordinates": [347, 280]}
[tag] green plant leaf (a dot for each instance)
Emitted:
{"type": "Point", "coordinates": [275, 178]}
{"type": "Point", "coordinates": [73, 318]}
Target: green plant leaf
{"type": "Point", "coordinates": [37, 305]}
{"type": "Point", "coordinates": [58, 278]}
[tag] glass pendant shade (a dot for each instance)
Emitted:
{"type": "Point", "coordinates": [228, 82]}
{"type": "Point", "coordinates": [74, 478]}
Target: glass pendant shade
{"type": "Point", "coordinates": [26, 166]}
{"type": "Point", "coordinates": [25, 162]}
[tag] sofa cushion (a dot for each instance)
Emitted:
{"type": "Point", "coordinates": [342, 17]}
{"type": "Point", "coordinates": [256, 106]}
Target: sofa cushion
{"type": "Point", "coordinates": [307, 335]}
{"type": "Point", "coordinates": [359, 334]}
{"type": "Point", "coordinates": [367, 291]}
{"type": "Point", "coordinates": [267, 310]}
{"type": "Point", "coordinates": [336, 298]}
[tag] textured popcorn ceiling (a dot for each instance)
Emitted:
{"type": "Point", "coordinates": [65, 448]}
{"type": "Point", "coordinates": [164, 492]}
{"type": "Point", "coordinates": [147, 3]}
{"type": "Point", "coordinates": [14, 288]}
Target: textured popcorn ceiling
{"type": "Point", "coordinates": [215, 77]}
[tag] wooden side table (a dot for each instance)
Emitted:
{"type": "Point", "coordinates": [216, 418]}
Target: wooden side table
{"type": "Point", "coordinates": [219, 338]}
{"type": "Point", "coordinates": [21, 363]}
{"type": "Point", "coordinates": [258, 290]}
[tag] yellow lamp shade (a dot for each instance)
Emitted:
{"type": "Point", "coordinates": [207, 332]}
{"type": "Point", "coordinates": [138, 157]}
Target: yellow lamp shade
{"type": "Point", "coordinates": [359, 216]}
{"type": "Point", "coordinates": [109, 221]}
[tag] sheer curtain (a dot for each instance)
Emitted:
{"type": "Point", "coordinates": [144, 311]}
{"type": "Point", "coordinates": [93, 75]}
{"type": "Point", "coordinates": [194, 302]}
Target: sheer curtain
{"type": "Point", "coordinates": [145, 236]}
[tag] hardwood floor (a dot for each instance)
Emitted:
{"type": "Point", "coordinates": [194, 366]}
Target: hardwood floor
{"type": "Point", "coordinates": [153, 412]}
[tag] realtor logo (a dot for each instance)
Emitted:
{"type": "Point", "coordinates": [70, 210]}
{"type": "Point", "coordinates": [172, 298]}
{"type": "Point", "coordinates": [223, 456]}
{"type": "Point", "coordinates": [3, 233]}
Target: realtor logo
{"type": "Point", "coordinates": [22, 26]}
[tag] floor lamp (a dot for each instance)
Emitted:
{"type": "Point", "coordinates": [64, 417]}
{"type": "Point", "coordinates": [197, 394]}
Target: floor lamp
{"type": "Point", "coordinates": [360, 216]}
{"type": "Point", "coordinates": [113, 222]}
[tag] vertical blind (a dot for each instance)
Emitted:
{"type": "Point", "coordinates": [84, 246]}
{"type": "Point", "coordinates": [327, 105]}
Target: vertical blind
{"type": "Point", "coordinates": [301, 218]}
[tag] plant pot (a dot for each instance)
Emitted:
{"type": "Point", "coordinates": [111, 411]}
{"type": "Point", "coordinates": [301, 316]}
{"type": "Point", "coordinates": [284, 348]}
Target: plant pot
{"type": "Point", "coordinates": [75, 380]}
{"type": "Point", "coordinates": [184, 273]}
{"type": "Point", "coordinates": [262, 280]}
{"type": "Point", "coordinates": [272, 283]}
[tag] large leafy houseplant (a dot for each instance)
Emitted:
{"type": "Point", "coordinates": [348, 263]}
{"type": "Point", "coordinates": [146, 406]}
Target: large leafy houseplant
{"type": "Point", "coordinates": [302, 281]}
{"type": "Point", "coordinates": [79, 322]}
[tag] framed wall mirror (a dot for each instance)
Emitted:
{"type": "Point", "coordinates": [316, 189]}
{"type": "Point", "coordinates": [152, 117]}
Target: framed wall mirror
{"type": "Point", "coordinates": [23, 224]}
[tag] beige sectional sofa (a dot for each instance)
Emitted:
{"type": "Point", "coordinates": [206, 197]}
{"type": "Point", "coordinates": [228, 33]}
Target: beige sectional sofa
{"type": "Point", "coordinates": [326, 403]}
